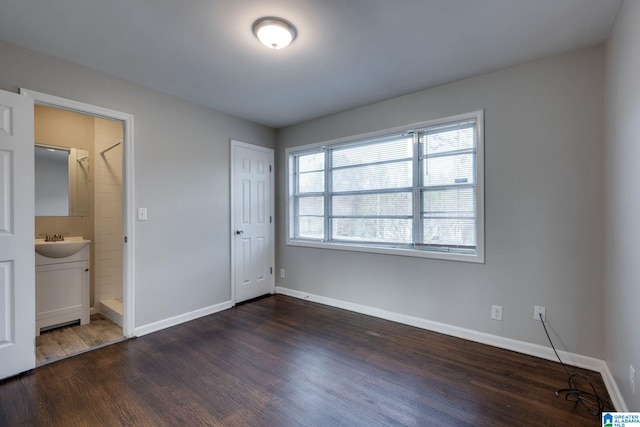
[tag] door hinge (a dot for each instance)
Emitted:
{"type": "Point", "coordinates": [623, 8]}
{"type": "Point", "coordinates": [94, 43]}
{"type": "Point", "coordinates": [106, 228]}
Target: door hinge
{"type": "Point", "coordinates": [271, 270]}
{"type": "Point", "coordinates": [269, 168]}
{"type": "Point", "coordinates": [270, 219]}
{"type": "Point", "coordinates": [125, 239]}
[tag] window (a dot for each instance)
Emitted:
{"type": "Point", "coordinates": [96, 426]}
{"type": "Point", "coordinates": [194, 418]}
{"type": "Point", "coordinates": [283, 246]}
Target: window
{"type": "Point", "coordinates": [414, 191]}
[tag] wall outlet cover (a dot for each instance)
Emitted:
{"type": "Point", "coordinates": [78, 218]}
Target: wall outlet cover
{"type": "Point", "coordinates": [496, 312]}
{"type": "Point", "coordinates": [539, 310]}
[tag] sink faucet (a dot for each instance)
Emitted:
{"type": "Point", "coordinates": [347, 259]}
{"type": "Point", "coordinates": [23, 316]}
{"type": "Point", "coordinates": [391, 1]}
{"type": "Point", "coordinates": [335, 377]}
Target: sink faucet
{"type": "Point", "coordinates": [54, 238]}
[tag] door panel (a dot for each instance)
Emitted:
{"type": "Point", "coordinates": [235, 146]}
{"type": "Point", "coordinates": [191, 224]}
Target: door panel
{"type": "Point", "coordinates": [252, 204]}
{"type": "Point", "coordinates": [17, 256]}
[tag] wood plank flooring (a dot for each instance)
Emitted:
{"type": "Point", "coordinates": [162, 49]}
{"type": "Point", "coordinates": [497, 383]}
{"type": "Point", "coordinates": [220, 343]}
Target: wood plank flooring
{"type": "Point", "coordinates": [56, 344]}
{"type": "Point", "coordinates": [279, 361]}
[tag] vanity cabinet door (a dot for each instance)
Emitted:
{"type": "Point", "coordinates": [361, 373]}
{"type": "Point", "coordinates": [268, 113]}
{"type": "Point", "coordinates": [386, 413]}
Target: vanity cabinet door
{"type": "Point", "coordinates": [62, 293]}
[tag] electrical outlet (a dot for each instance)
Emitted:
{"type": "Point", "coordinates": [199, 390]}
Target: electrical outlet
{"type": "Point", "coordinates": [632, 379]}
{"type": "Point", "coordinates": [537, 311]}
{"type": "Point", "coordinates": [282, 273]}
{"type": "Point", "coordinates": [496, 312]}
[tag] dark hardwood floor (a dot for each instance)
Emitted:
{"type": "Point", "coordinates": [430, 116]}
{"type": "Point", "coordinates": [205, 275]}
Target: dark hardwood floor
{"type": "Point", "coordinates": [279, 361]}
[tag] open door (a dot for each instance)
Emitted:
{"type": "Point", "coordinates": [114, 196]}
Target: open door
{"type": "Point", "coordinates": [17, 256]}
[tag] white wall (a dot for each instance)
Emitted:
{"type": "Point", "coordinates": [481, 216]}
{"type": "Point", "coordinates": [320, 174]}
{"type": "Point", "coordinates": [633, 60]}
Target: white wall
{"type": "Point", "coordinates": [544, 215]}
{"type": "Point", "coordinates": [181, 176]}
{"type": "Point", "coordinates": [622, 201]}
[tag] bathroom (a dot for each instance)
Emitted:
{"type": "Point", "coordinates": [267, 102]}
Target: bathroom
{"type": "Point", "coordinates": [94, 211]}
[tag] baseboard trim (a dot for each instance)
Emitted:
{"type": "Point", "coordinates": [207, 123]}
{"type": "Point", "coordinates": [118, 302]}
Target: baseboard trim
{"type": "Point", "coordinates": [530, 349]}
{"type": "Point", "coordinates": [614, 391]}
{"type": "Point", "coordinates": [182, 318]}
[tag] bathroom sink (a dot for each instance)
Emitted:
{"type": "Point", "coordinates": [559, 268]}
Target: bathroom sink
{"type": "Point", "coordinates": [61, 249]}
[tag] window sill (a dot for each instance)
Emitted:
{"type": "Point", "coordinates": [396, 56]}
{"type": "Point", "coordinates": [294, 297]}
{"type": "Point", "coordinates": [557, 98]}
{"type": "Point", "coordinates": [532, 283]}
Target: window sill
{"type": "Point", "coordinates": [415, 253]}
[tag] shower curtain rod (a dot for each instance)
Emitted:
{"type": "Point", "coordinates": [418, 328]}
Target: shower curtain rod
{"type": "Point", "coordinates": [113, 146]}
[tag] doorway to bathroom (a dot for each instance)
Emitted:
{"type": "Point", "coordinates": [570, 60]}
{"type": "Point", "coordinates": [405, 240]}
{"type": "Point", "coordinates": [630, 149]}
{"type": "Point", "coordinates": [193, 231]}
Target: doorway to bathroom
{"type": "Point", "coordinates": [98, 141]}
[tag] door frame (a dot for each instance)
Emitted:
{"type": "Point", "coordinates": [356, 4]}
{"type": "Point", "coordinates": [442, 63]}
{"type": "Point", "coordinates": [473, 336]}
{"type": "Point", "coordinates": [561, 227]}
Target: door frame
{"type": "Point", "coordinates": [233, 144]}
{"type": "Point", "coordinates": [128, 267]}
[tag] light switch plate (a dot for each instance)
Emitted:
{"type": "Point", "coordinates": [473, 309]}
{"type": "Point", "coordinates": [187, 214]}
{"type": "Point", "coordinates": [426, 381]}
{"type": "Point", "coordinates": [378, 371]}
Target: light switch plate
{"type": "Point", "coordinates": [142, 214]}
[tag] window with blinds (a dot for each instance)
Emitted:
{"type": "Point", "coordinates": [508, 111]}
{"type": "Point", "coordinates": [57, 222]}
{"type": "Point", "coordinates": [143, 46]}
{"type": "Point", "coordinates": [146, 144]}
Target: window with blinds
{"type": "Point", "coordinates": [415, 191]}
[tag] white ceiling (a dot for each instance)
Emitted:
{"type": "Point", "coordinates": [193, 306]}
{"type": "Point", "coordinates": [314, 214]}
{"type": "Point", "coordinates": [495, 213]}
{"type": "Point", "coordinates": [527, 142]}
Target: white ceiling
{"type": "Point", "coordinates": [348, 53]}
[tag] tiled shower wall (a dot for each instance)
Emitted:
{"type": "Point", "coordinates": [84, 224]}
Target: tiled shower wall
{"type": "Point", "coordinates": [108, 228]}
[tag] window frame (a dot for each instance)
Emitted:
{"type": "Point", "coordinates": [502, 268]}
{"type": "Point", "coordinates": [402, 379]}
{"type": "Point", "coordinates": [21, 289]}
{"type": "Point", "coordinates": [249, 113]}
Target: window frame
{"type": "Point", "coordinates": [423, 252]}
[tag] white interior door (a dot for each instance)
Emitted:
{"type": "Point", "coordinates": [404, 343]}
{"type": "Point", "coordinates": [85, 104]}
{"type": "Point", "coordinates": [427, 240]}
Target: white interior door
{"type": "Point", "coordinates": [252, 220]}
{"type": "Point", "coordinates": [17, 256]}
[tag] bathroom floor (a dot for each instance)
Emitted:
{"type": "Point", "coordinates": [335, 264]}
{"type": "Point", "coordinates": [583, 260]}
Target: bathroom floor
{"type": "Point", "coordinates": [56, 344]}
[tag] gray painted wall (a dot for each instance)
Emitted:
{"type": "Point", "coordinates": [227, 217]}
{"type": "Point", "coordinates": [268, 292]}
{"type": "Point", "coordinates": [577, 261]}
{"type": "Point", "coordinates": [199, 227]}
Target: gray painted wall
{"type": "Point", "coordinates": [544, 215]}
{"type": "Point", "coordinates": [181, 176]}
{"type": "Point", "coordinates": [622, 174]}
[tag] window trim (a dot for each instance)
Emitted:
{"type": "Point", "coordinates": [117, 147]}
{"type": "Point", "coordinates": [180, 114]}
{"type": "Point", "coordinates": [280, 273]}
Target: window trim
{"type": "Point", "coordinates": [478, 257]}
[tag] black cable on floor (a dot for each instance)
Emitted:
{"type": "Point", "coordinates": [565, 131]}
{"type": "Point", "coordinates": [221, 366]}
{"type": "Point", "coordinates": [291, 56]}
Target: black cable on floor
{"type": "Point", "coordinates": [589, 399]}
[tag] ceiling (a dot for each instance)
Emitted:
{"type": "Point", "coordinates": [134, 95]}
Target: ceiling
{"type": "Point", "coordinates": [348, 53]}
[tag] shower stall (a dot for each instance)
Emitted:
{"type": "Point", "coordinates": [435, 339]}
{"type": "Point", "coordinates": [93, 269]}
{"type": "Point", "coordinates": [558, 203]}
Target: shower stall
{"type": "Point", "coordinates": [108, 217]}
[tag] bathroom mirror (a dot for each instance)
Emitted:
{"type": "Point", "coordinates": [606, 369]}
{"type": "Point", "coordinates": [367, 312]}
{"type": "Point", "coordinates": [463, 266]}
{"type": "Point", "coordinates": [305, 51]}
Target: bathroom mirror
{"type": "Point", "coordinates": [61, 181]}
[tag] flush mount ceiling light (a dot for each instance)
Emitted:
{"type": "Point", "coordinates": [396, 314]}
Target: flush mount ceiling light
{"type": "Point", "coordinates": [274, 33]}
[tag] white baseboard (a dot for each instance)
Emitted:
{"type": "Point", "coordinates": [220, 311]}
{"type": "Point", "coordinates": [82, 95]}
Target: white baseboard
{"type": "Point", "coordinates": [176, 320]}
{"type": "Point", "coordinates": [613, 389]}
{"type": "Point", "coordinates": [523, 347]}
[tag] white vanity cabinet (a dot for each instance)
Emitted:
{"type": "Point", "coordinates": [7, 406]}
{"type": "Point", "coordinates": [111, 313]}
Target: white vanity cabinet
{"type": "Point", "coordinates": [62, 289]}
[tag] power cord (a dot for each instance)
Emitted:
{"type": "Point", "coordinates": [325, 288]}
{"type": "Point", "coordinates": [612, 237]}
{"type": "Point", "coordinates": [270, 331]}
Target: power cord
{"type": "Point", "coordinates": [589, 399]}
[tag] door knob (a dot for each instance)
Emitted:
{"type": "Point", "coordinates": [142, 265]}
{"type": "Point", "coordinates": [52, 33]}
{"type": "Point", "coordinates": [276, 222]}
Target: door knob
{"type": "Point", "coordinates": [239, 232]}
